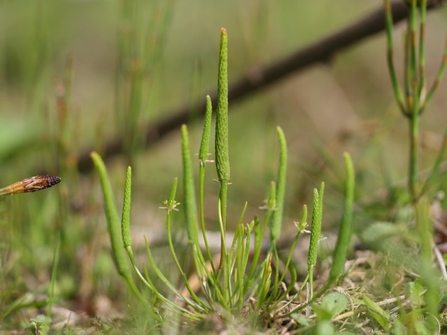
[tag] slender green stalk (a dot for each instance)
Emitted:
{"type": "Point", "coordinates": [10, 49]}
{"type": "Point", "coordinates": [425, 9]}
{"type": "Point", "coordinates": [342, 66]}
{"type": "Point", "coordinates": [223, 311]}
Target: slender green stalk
{"type": "Point", "coordinates": [244, 258]}
{"type": "Point", "coordinates": [127, 241]}
{"type": "Point", "coordinates": [422, 26]}
{"type": "Point", "coordinates": [125, 216]}
{"type": "Point", "coordinates": [190, 204]}
{"type": "Point", "coordinates": [345, 230]}
{"type": "Point", "coordinates": [221, 144]}
{"type": "Point", "coordinates": [188, 185]}
{"type": "Point", "coordinates": [317, 215]}
{"type": "Point", "coordinates": [300, 229]}
{"type": "Point", "coordinates": [428, 276]}
{"type": "Point", "coordinates": [203, 155]}
{"type": "Point", "coordinates": [52, 284]}
{"type": "Point", "coordinates": [389, 34]}
{"type": "Point", "coordinates": [113, 226]}
{"type": "Point", "coordinates": [413, 98]}
{"type": "Point", "coordinates": [265, 280]}
{"type": "Point", "coordinates": [414, 152]}
{"type": "Point", "coordinates": [407, 73]}
{"type": "Point", "coordinates": [425, 229]}
{"type": "Point", "coordinates": [260, 230]}
{"type": "Point", "coordinates": [171, 287]}
{"type": "Point", "coordinates": [275, 228]}
{"type": "Point", "coordinates": [171, 200]}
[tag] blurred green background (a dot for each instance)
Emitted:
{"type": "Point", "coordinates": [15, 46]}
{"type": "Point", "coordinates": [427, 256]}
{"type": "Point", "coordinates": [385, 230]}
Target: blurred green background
{"type": "Point", "coordinates": [139, 60]}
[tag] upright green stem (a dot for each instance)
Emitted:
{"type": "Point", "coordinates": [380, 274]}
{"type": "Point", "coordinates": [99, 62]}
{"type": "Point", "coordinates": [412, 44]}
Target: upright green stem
{"type": "Point", "coordinates": [414, 151]}
{"type": "Point", "coordinates": [345, 230]}
{"type": "Point", "coordinates": [203, 154]}
{"type": "Point", "coordinates": [221, 143]}
{"type": "Point", "coordinates": [413, 100]}
{"type": "Point", "coordinates": [276, 224]}
{"type": "Point", "coordinates": [114, 226]}
{"type": "Point", "coordinates": [414, 81]}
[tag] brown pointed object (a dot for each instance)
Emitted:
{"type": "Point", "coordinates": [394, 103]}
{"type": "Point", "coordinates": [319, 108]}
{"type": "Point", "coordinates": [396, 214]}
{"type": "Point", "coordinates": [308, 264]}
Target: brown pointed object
{"type": "Point", "coordinates": [31, 184]}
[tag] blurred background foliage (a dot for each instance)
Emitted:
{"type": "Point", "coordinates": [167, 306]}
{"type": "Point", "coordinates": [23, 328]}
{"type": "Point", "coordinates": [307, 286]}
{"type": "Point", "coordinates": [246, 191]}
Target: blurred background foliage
{"type": "Point", "coordinates": [74, 74]}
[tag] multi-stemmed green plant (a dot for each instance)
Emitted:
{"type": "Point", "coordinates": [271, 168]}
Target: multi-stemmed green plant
{"type": "Point", "coordinates": [415, 96]}
{"type": "Point", "coordinates": [246, 277]}
{"type": "Point", "coordinates": [412, 100]}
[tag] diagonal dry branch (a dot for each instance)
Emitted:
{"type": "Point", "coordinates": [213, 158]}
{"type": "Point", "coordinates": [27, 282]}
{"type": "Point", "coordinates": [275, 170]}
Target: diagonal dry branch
{"type": "Point", "coordinates": [321, 51]}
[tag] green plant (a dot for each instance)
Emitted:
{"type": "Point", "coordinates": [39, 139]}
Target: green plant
{"type": "Point", "coordinates": [397, 240]}
{"type": "Point", "coordinates": [415, 96]}
{"type": "Point", "coordinates": [247, 278]}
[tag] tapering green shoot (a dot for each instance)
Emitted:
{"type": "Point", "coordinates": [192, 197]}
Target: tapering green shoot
{"type": "Point", "coordinates": [317, 215]}
{"type": "Point", "coordinates": [190, 203]}
{"type": "Point", "coordinates": [114, 226]}
{"type": "Point", "coordinates": [398, 93]}
{"type": "Point", "coordinates": [203, 155]}
{"type": "Point", "coordinates": [345, 230]}
{"type": "Point", "coordinates": [276, 224]}
{"type": "Point", "coordinates": [221, 147]}
{"type": "Point", "coordinates": [189, 192]}
{"type": "Point", "coordinates": [125, 217]}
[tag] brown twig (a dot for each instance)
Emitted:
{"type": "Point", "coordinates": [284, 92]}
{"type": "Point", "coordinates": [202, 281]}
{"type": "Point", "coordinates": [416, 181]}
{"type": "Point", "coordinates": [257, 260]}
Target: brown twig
{"type": "Point", "coordinates": [254, 81]}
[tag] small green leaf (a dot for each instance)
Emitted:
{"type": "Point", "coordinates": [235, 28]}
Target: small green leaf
{"type": "Point", "coordinates": [335, 302]}
{"type": "Point", "coordinates": [413, 291]}
{"type": "Point", "coordinates": [382, 317]}
{"type": "Point", "coordinates": [332, 304]}
{"type": "Point", "coordinates": [322, 313]}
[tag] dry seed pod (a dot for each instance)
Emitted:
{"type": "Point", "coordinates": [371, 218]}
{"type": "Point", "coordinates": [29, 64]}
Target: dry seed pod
{"type": "Point", "coordinates": [31, 184]}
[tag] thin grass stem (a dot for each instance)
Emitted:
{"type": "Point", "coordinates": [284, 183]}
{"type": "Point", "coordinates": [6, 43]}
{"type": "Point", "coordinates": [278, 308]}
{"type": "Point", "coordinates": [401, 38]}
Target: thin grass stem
{"type": "Point", "coordinates": [392, 71]}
